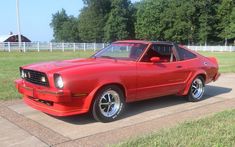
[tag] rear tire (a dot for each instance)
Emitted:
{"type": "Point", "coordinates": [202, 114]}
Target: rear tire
{"type": "Point", "coordinates": [197, 89]}
{"type": "Point", "coordinates": [109, 104]}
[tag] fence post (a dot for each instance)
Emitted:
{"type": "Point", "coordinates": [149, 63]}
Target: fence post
{"type": "Point", "coordinates": [62, 47]}
{"type": "Point", "coordinates": [24, 49]}
{"type": "Point", "coordinates": [84, 47]}
{"type": "Point", "coordinates": [103, 45]}
{"type": "Point", "coordinates": [9, 47]}
{"type": "Point", "coordinates": [94, 47]}
{"type": "Point", "coordinates": [230, 48]}
{"type": "Point", "coordinates": [38, 47]}
{"type": "Point", "coordinates": [74, 47]}
{"type": "Point", "coordinates": [50, 47]}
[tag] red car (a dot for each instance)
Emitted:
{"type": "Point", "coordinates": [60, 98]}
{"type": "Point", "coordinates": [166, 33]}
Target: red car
{"type": "Point", "coordinates": [125, 71]}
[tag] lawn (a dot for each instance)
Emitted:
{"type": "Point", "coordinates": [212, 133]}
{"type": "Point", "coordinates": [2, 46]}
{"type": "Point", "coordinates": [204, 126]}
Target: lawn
{"type": "Point", "coordinates": [217, 131]}
{"type": "Point", "coordinates": [10, 62]}
{"type": "Point", "coordinates": [226, 60]}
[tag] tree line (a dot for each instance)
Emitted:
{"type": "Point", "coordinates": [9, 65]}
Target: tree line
{"type": "Point", "coordinates": [182, 21]}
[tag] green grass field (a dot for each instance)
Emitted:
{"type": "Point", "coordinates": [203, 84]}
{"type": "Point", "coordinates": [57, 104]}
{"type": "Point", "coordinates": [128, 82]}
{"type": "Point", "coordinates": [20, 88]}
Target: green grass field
{"type": "Point", "coordinates": [10, 63]}
{"type": "Point", "coordinates": [226, 60]}
{"type": "Point", "coordinates": [215, 131]}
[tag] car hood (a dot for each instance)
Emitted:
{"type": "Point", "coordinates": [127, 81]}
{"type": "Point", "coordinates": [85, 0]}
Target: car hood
{"type": "Point", "coordinates": [57, 66]}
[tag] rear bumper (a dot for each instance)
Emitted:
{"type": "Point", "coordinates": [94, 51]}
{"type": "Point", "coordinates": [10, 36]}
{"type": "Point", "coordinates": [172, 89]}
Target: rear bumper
{"type": "Point", "coordinates": [54, 102]}
{"type": "Point", "coordinates": [216, 77]}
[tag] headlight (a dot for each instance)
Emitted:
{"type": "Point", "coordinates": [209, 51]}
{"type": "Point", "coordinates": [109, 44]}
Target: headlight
{"type": "Point", "coordinates": [58, 81]}
{"type": "Point", "coordinates": [22, 73]}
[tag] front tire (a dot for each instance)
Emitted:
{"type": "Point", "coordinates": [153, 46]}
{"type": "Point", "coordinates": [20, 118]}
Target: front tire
{"type": "Point", "coordinates": [197, 89]}
{"type": "Point", "coordinates": [109, 104]}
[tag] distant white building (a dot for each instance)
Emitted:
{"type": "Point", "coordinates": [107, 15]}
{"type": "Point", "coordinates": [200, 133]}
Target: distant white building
{"type": "Point", "coordinates": [13, 38]}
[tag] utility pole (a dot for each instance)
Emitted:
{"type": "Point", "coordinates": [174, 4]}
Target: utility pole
{"type": "Point", "coordinates": [18, 22]}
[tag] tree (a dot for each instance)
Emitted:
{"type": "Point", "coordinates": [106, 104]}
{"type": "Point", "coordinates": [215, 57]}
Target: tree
{"type": "Point", "coordinates": [224, 15]}
{"type": "Point", "coordinates": [70, 31]}
{"type": "Point", "coordinates": [178, 20]}
{"type": "Point", "coordinates": [184, 21]}
{"type": "Point", "coordinates": [148, 19]}
{"type": "Point", "coordinates": [92, 20]}
{"type": "Point", "coordinates": [232, 26]}
{"type": "Point", "coordinates": [57, 22]}
{"type": "Point", "coordinates": [208, 20]}
{"type": "Point", "coordinates": [120, 22]}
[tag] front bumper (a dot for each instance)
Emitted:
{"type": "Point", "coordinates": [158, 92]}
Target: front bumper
{"type": "Point", "coordinates": [51, 101]}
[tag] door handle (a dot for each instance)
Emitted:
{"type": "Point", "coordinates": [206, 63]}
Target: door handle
{"type": "Point", "coordinates": [179, 66]}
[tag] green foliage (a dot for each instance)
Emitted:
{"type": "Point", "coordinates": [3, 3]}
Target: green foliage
{"type": "Point", "coordinates": [207, 32]}
{"type": "Point", "coordinates": [119, 21]}
{"type": "Point", "coordinates": [224, 14]}
{"type": "Point", "coordinates": [92, 20]}
{"type": "Point", "coordinates": [232, 25]}
{"type": "Point", "coordinates": [65, 27]}
{"type": "Point", "coordinates": [69, 31]}
{"type": "Point", "coordinates": [178, 19]}
{"type": "Point", "coordinates": [148, 19]}
{"type": "Point", "coordinates": [184, 21]}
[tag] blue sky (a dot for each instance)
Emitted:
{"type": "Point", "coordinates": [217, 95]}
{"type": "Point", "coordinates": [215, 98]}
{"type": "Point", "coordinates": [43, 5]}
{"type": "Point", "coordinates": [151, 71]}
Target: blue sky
{"type": "Point", "coordinates": [35, 16]}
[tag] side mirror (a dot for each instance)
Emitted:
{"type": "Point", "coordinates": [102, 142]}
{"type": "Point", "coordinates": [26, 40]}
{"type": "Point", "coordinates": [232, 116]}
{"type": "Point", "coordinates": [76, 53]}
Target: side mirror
{"type": "Point", "coordinates": [155, 59]}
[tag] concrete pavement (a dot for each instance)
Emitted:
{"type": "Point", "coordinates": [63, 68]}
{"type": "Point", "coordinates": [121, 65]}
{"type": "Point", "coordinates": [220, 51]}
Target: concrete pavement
{"type": "Point", "coordinates": [12, 135]}
{"type": "Point", "coordinates": [140, 118]}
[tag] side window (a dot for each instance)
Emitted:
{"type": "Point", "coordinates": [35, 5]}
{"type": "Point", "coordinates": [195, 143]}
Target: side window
{"type": "Point", "coordinates": [164, 52]}
{"type": "Point", "coordinates": [184, 54]}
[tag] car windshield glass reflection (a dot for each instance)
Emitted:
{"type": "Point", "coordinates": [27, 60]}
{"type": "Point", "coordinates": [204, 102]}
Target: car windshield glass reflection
{"type": "Point", "coordinates": [122, 51]}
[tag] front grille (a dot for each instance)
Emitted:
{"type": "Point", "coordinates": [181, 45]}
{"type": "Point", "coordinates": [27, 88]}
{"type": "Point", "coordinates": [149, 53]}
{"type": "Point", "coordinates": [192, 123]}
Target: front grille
{"type": "Point", "coordinates": [36, 77]}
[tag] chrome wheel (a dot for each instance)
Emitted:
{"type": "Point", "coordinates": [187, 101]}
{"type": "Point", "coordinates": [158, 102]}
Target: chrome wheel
{"type": "Point", "coordinates": [197, 88]}
{"type": "Point", "coordinates": [109, 103]}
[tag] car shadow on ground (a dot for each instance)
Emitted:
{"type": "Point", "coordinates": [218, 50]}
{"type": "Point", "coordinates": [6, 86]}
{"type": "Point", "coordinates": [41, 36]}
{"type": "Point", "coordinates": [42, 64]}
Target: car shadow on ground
{"type": "Point", "coordinates": [136, 108]}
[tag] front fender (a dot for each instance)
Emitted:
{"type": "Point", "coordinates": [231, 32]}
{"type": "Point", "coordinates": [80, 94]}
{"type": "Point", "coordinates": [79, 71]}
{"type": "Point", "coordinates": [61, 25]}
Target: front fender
{"type": "Point", "coordinates": [90, 98]}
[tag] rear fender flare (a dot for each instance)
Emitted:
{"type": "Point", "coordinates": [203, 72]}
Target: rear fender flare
{"type": "Point", "coordinates": [188, 84]}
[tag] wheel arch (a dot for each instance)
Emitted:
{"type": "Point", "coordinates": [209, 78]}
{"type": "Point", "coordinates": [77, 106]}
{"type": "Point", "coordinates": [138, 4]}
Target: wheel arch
{"type": "Point", "coordinates": [113, 84]}
{"type": "Point", "coordinates": [121, 86]}
{"type": "Point", "coordinates": [188, 85]}
{"type": "Point", "coordinates": [203, 75]}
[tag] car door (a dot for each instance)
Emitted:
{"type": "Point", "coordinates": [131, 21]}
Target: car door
{"type": "Point", "coordinates": [163, 78]}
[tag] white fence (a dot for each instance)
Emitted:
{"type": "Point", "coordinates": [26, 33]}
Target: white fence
{"type": "Point", "coordinates": [41, 46]}
{"type": "Point", "coordinates": [213, 48]}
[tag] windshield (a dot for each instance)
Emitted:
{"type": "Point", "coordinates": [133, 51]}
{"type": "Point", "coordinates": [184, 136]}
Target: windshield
{"type": "Point", "coordinates": [122, 51]}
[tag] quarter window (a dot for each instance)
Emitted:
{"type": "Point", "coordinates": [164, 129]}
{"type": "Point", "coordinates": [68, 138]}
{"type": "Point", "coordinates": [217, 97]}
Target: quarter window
{"type": "Point", "coordinates": [184, 54]}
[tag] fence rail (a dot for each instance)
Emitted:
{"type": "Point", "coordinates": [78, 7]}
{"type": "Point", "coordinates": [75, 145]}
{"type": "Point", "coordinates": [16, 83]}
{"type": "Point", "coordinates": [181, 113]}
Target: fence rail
{"type": "Point", "coordinates": [213, 48]}
{"type": "Point", "coordinates": [41, 46]}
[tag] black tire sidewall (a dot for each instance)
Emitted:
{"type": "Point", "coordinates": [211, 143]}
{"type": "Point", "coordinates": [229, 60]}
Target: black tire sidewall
{"type": "Point", "coordinates": [96, 110]}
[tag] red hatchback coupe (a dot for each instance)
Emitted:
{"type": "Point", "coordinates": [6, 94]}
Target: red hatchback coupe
{"type": "Point", "coordinates": [123, 72]}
